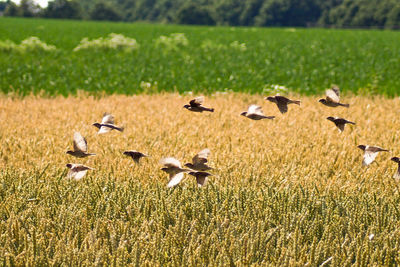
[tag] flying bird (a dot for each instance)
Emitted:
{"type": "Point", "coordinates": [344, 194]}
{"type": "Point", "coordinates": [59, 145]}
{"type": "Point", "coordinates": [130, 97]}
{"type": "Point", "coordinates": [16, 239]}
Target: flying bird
{"type": "Point", "coordinates": [370, 153]}
{"type": "Point", "coordinates": [397, 174]}
{"type": "Point", "coordinates": [282, 102]}
{"type": "Point", "coordinates": [135, 155]}
{"type": "Point", "coordinates": [107, 124]}
{"type": "Point", "coordinates": [255, 113]}
{"type": "Point", "coordinates": [200, 161]}
{"type": "Point", "coordinates": [173, 167]}
{"type": "Point", "coordinates": [80, 147]}
{"type": "Point", "coordinates": [196, 105]}
{"type": "Point", "coordinates": [77, 171]}
{"type": "Point", "coordinates": [340, 122]}
{"type": "Point", "coordinates": [333, 98]}
{"type": "Point", "coordinates": [201, 177]}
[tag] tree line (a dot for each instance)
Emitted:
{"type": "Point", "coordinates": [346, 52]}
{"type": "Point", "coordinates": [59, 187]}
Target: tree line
{"type": "Point", "coordinates": [301, 13]}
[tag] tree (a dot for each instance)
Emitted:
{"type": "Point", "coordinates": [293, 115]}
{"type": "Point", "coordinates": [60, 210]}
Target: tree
{"type": "Point", "coordinates": [194, 14]}
{"type": "Point", "coordinates": [12, 10]}
{"type": "Point", "coordinates": [28, 8]}
{"type": "Point", "coordinates": [63, 9]}
{"type": "Point", "coordinates": [102, 11]}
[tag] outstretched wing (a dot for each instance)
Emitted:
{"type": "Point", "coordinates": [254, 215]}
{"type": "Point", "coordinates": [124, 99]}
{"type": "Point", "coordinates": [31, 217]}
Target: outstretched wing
{"type": "Point", "coordinates": [369, 157]}
{"type": "Point", "coordinates": [282, 106]}
{"type": "Point", "coordinates": [80, 143]}
{"type": "Point", "coordinates": [175, 179]}
{"type": "Point", "coordinates": [254, 109]}
{"type": "Point", "coordinates": [198, 101]}
{"type": "Point", "coordinates": [107, 119]}
{"type": "Point", "coordinates": [201, 157]}
{"type": "Point", "coordinates": [332, 95]}
{"type": "Point", "coordinates": [170, 162]}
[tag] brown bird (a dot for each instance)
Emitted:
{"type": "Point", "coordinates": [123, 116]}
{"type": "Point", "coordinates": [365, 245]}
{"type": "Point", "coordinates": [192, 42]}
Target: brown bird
{"type": "Point", "coordinates": [255, 113]}
{"type": "Point", "coordinates": [135, 155]}
{"type": "Point", "coordinates": [333, 98]}
{"type": "Point", "coordinates": [340, 122]}
{"type": "Point", "coordinates": [370, 153]}
{"type": "Point", "coordinates": [397, 174]}
{"type": "Point", "coordinates": [107, 124]}
{"type": "Point", "coordinates": [80, 147]}
{"type": "Point", "coordinates": [201, 177]}
{"type": "Point", "coordinates": [196, 105]}
{"type": "Point", "coordinates": [199, 161]}
{"type": "Point", "coordinates": [173, 167]}
{"type": "Point", "coordinates": [282, 102]}
{"type": "Point", "coordinates": [77, 171]}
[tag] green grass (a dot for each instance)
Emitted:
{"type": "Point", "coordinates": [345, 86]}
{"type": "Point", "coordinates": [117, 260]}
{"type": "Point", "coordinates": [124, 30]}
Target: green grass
{"type": "Point", "coordinates": [304, 60]}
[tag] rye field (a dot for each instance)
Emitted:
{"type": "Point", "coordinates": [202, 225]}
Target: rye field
{"type": "Point", "coordinates": [285, 192]}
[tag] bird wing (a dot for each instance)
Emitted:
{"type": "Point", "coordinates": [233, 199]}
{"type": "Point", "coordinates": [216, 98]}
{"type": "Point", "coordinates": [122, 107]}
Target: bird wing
{"type": "Point", "coordinates": [175, 179]}
{"type": "Point", "coordinates": [340, 125]}
{"type": "Point", "coordinates": [332, 95]}
{"type": "Point", "coordinates": [375, 149]}
{"type": "Point", "coordinates": [282, 106]}
{"type": "Point", "coordinates": [201, 157]}
{"type": "Point", "coordinates": [104, 129]}
{"type": "Point", "coordinates": [79, 174]}
{"type": "Point", "coordinates": [197, 101]}
{"type": "Point", "coordinates": [170, 162]}
{"type": "Point", "coordinates": [107, 119]}
{"type": "Point", "coordinates": [80, 143]}
{"type": "Point", "coordinates": [254, 109]}
{"type": "Point", "coordinates": [369, 157]}
{"type": "Point", "coordinates": [201, 178]}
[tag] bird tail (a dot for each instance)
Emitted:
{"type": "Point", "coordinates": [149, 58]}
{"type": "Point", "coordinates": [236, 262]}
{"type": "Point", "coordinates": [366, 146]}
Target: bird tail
{"type": "Point", "coordinates": [344, 105]}
{"type": "Point", "coordinates": [352, 122]}
{"type": "Point", "coordinates": [121, 129]}
{"type": "Point", "coordinates": [297, 102]}
{"type": "Point", "coordinates": [210, 109]}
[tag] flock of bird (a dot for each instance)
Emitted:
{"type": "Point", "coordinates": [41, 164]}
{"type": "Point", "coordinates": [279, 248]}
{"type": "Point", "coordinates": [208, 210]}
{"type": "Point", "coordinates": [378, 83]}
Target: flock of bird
{"type": "Point", "coordinates": [199, 168]}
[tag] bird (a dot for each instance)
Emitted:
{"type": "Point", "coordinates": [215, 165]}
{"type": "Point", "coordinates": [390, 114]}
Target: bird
{"type": "Point", "coordinates": [107, 124]}
{"type": "Point", "coordinates": [397, 174]}
{"type": "Point", "coordinates": [173, 167]}
{"type": "Point", "coordinates": [135, 155]}
{"type": "Point", "coordinates": [254, 112]}
{"type": "Point", "coordinates": [370, 153]}
{"type": "Point", "coordinates": [196, 105]}
{"type": "Point", "coordinates": [199, 161]}
{"type": "Point", "coordinates": [77, 171]}
{"type": "Point", "coordinates": [339, 122]}
{"type": "Point", "coordinates": [80, 147]}
{"type": "Point", "coordinates": [282, 102]}
{"type": "Point", "coordinates": [333, 98]}
{"type": "Point", "coordinates": [201, 177]}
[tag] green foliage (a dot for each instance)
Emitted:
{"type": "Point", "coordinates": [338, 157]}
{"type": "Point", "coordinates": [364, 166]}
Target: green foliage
{"type": "Point", "coordinates": [103, 11]}
{"type": "Point", "coordinates": [30, 44]}
{"type": "Point", "coordinates": [63, 9]}
{"type": "Point", "coordinates": [213, 59]}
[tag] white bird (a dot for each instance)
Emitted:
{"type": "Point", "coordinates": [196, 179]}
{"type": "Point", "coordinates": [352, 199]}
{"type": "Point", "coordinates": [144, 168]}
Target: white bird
{"type": "Point", "coordinates": [77, 171]}
{"type": "Point", "coordinates": [107, 124]}
{"type": "Point", "coordinates": [173, 167]}
{"type": "Point", "coordinates": [80, 147]}
{"type": "Point", "coordinates": [370, 153]}
{"type": "Point", "coordinates": [255, 112]}
{"type": "Point", "coordinates": [200, 161]}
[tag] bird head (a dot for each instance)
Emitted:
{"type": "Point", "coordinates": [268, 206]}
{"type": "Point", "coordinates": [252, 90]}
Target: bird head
{"type": "Point", "coordinates": [69, 152]}
{"type": "Point", "coordinates": [186, 106]}
{"type": "Point", "coordinates": [193, 173]}
{"type": "Point", "coordinates": [322, 100]}
{"type": "Point", "coordinates": [244, 113]}
{"type": "Point", "coordinates": [97, 125]}
{"type": "Point", "coordinates": [362, 147]}
{"type": "Point", "coordinates": [69, 165]}
{"type": "Point", "coordinates": [330, 118]}
{"type": "Point", "coordinates": [189, 165]}
{"type": "Point", "coordinates": [395, 159]}
{"type": "Point", "coordinates": [271, 98]}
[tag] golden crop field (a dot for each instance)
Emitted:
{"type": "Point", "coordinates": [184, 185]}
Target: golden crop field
{"type": "Point", "coordinates": [288, 191]}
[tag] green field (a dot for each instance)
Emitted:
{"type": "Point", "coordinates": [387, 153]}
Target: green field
{"type": "Point", "coordinates": [303, 60]}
